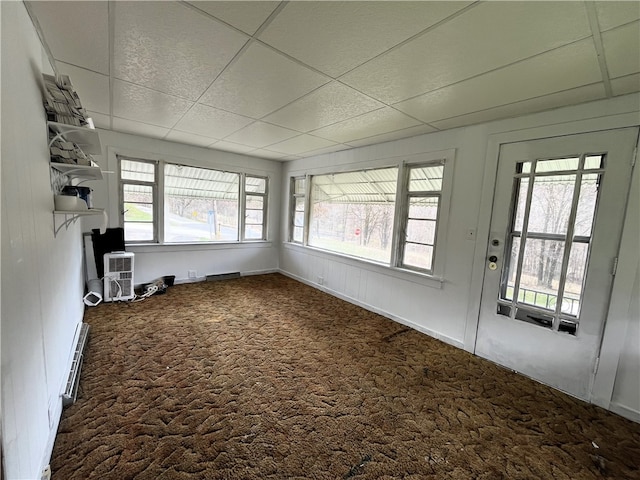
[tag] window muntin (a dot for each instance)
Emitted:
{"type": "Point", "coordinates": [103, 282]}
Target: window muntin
{"type": "Point", "coordinates": [422, 200]}
{"type": "Point", "coordinates": [255, 205]}
{"type": "Point", "coordinates": [298, 199]}
{"type": "Point", "coordinates": [554, 207]}
{"type": "Point", "coordinates": [197, 204]}
{"type": "Point", "coordinates": [353, 213]}
{"type": "Point", "coordinates": [138, 191]}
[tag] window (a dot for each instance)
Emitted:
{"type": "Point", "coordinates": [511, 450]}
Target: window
{"type": "Point", "coordinates": [423, 188]}
{"type": "Point", "coordinates": [394, 215]}
{"type": "Point", "coordinates": [200, 205]}
{"type": "Point", "coordinates": [297, 202]}
{"type": "Point", "coordinates": [138, 190]}
{"type": "Point", "coordinates": [255, 201]}
{"type": "Point", "coordinates": [197, 204]}
{"type": "Point", "coordinates": [352, 213]}
{"type": "Point", "coordinates": [553, 211]}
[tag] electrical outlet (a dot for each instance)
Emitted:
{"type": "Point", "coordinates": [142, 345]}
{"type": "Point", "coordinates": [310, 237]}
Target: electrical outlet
{"type": "Point", "coordinates": [320, 280]}
{"type": "Point", "coordinates": [192, 274]}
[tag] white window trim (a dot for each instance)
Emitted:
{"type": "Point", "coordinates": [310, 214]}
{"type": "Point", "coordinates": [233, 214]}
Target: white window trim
{"type": "Point", "coordinates": [445, 157]}
{"type": "Point", "coordinates": [115, 155]}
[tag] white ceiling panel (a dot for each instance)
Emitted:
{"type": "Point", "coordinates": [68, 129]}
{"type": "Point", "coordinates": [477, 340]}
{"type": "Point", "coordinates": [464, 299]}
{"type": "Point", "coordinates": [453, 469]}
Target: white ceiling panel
{"type": "Point", "coordinates": [396, 135]}
{"type": "Point", "coordinates": [170, 47]}
{"type": "Point", "coordinates": [193, 72]}
{"type": "Point", "coordinates": [622, 50]}
{"type": "Point", "coordinates": [561, 69]}
{"type": "Point", "coordinates": [335, 37]}
{"type": "Point", "coordinates": [268, 154]}
{"type": "Point", "coordinates": [261, 81]}
{"type": "Point", "coordinates": [615, 14]}
{"type": "Point", "coordinates": [546, 102]}
{"type": "Point", "coordinates": [231, 147]}
{"type": "Point", "coordinates": [246, 16]}
{"type": "Point", "coordinates": [145, 105]}
{"type": "Point", "coordinates": [138, 128]}
{"type": "Point", "coordinates": [329, 104]}
{"type": "Point", "coordinates": [76, 32]}
{"type": "Point", "coordinates": [300, 144]}
{"type": "Point", "coordinates": [472, 43]}
{"type": "Point", "coordinates": [92, 88]}
{"type": "Point", "coordinates": [260, 134]}
{"type": "Point", "coordinates": [189, 138]}
{"type": "Point", "coordinates": [624, 85]}
{"type": "Point", "coordinates": [211, 122]}
{"type": "Point", "coordinates": [373, 123]}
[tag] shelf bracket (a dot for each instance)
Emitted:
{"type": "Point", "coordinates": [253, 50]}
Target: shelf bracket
{"type": "Point", "coordinates": [69, 218]}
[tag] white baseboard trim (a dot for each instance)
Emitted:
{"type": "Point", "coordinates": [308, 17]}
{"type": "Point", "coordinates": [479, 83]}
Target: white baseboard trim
{"type": "Point", "coordinates": [625, 411]}
{"type": "Point", "coordinates": [371, 308]}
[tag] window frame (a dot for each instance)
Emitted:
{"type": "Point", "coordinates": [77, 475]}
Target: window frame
{"type": "Point", "coordinates": [159, 200]}
{"type": "Point", "coordinates": [155, 196]}
{"type": "Point", "coordinates": [242, 207]}
{"type": "Point", "coordinates": [446, 158]}
{"type": "Point", "coordinates": [403, 210]}
{"type": "Point", "coordinates": [293, 195]}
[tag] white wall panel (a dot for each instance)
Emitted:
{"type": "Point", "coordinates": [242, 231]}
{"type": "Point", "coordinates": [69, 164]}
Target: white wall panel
{"type": "Point", "coordinates": [41, 275]}
{"type": "Point", "coordinates": [153, 261]}
{"type": "Point", "coordinates": [449, 310]}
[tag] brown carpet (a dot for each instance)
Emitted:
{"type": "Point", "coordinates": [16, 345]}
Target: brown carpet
{"type": "Point", "coordinates": [266, 378]}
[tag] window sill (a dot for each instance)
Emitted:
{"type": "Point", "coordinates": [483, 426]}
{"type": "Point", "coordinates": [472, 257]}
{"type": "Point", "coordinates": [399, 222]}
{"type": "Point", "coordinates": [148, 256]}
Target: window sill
{"type": "Point", "coordinates": [194, 247]}
{"type": "Point", "coordinates": [396, 272]}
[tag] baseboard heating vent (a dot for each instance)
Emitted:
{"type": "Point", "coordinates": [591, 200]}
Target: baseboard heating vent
{"type": "Point", "coordinates": [222, 276]}
{"type": "Point", "coordinates": [71, 390]}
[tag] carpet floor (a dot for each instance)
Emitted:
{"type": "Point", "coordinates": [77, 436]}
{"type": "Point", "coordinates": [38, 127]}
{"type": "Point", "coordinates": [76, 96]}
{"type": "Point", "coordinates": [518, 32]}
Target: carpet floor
{"type": "Point", "coordinates": [266, 378]}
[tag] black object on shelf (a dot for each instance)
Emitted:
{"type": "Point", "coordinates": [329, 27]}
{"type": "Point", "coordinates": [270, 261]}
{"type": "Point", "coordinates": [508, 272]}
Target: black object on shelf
{"type": "Point", "coordinates": [112, 240]}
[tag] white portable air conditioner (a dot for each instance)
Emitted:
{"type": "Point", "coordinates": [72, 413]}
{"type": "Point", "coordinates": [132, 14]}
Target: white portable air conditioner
{"type": "Point", "coordinates": [118, 276]}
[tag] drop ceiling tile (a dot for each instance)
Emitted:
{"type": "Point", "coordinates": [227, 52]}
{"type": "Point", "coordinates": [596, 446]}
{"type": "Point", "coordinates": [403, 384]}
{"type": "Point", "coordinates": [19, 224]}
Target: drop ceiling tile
{"type": "Point", "coordinates": [134, 102]}
{"type": "Point", "coordinates": [329, 104]}
{"type": "Point", "coordinates": [170, 47]}
{"type": "Point", "coordinates": [622, 50]}
{"type": "Point", "coordinates": [369, 124]}
{"type": "Point", "coordinates": [267, 154]}
{"type": "Point", "coordinates": [76, 32]}
{"type": "Point", "coordinates": [624, 85]}
{"type": "Point", "coordinates": [138, 128]}
{"type": "Point", "coordinates": [189, 138]}
{"type": "Point", "coordinates": [261, 81]}
{"type": "Point", "coordinates": [100, 120]}
{"type": "Point", "coordinates": [322, 151]}
{"type": "Point", "coordinates": [246, 16]}
{"type": "Point", "coordinates": [561, 69]}
{"type": "Point", "coordinates": [92, 88]}
{"type": "Point", "coordinates": [211, 122]}
{"type": "Point", "coordinates": [300, 144]}
{"type": "Point", "coordinates": [334, 37]}
{"type": "Point", "coordinates": [546, 102]}
{"type": "Point", "coordinates": [485, 37]}
{"type": "Point", "coordinates": [397, 135]}
{"type": "Point", "coordinates": [259, 134]}
{"type": "Point", "coordinates": [614, 14]}
{"type": "Point", "coordinates": [231, 147]}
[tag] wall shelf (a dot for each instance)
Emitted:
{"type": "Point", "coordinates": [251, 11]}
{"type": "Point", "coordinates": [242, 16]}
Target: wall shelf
{"type": "Point", "coordinates": [83, 172]}
{"type": "Point", "coordinates": [86, 138]}
{"type": "Point", "coordinates": [70, 216]}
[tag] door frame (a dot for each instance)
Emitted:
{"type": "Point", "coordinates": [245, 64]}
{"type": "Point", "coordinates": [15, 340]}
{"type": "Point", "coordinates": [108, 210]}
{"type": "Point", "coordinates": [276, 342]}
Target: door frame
{"type": "Point", "coordinates": [603, 383]}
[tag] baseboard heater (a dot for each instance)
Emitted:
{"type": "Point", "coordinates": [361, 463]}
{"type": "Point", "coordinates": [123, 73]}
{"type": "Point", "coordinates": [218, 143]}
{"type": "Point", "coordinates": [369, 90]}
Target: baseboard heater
{"type": "Point", "coordinates": [222, 276]}
{"type": "Point", "coordinates": [71, 391]}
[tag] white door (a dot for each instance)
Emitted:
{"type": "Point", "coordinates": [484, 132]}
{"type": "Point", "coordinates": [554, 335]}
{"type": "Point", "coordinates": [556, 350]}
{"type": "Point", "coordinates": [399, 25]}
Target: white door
{"type": "Point", "coordinates": [558, 212]}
